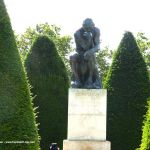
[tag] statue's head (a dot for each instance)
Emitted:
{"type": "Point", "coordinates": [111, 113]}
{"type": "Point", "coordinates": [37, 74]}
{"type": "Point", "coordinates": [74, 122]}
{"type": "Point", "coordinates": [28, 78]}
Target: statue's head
{"type": "Point", "coordinates": [88, 24]}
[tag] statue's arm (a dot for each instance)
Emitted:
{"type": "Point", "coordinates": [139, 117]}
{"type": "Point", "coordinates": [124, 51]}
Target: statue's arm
{"type": "Point", "coordinates": [96, 41]}
{"type": "Point", "coordinates": [77, 42]}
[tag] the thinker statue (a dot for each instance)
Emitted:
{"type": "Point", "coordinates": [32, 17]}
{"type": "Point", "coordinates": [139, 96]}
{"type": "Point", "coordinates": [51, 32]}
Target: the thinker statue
{"type": "Point", "coordinates": [83, 62]}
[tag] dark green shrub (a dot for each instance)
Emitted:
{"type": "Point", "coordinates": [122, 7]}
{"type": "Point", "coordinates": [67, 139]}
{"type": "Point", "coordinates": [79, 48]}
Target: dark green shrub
{"type": "Point", "coordinates": [17, 118]}
{"type": "Point", "coordinates": [47, 75]}
{"type": "Point", "coordinates": [128, 87]}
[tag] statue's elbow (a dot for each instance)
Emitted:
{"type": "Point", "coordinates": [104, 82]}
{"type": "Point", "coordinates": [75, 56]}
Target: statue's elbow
{"type": "Point", "coordinates": [98, 48]}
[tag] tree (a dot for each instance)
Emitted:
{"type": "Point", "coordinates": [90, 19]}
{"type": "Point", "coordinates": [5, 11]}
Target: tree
{"type": "Point", "coordinates": [48, 77]}
{"type": "Point", "coordinates": [144, 45]}
{"type": "Point", "coordinates": [103, 58]}
{"type": "Point", "coordinates": [17, 118]}
{"type": "Point", "coordinates": [145, 145]}
{"type": "Point", "coordinates": [128, 87]}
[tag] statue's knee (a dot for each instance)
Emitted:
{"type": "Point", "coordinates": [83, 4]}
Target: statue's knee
{"type": "Point", "coordinates": [91, 57]}
{"type": "Point", "coordinates": [73, 58]}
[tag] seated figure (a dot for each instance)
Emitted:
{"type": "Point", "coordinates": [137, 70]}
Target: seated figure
{"type": "Point", "coordinates": [83, 62]}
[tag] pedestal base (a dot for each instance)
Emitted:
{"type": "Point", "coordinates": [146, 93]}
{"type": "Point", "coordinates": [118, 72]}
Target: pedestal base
{"type": "Point", "coordinates": [86, 145]}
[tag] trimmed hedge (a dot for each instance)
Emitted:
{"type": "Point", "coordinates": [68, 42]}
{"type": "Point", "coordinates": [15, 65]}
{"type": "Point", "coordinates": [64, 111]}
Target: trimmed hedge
{"type": "Point", "coordinates": [48, 77]}
{"type": "Point", "coordinates": [128, 88]}
{"type": "Point", "coordinates": [145, 145]}
{"type": "Point", "coordinates": [17, 118]}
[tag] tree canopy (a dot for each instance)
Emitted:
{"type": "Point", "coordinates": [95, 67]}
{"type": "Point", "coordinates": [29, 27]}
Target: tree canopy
{"type": "Point", "coordinates": [144, 45]}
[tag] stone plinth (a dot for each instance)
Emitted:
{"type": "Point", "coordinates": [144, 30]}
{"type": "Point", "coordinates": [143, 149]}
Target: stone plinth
{"type": "Point", "coordinates": [87, 120]}
{"type": "Point", "coordinates": [86, 145]}
{"type": "Point", "coordinates": [87, 114]}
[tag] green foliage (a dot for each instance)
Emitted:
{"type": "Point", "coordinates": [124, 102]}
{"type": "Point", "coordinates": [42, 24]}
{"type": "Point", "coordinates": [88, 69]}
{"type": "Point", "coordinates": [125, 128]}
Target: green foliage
{"type": "Point", "coordinates": [145, 145]}
{"type": "Point", "coordinates": [48, 77]}
{"type": "Point", "coordinates": [17, 118]}
{"type": "Point", "coordinates": [103, 59]}
{"type": "Point", "coordinates": [128, 88]}
{"type": "Point", "coordinates": [62, 43]}
{"type": "Point", "coordinates": [144, 45]}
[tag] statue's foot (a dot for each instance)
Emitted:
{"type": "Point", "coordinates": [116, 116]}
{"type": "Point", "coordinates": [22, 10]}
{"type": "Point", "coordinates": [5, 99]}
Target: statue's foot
{"type": "Point", "coordinates": [88, 85]}
{"type": "Point", "coordinates": [96, 86]}
{"type": "Point", "coordinates": [76, 84]}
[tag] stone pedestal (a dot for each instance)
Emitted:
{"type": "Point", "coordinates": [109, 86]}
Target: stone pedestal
{"type": "Point", "coordinates": [87, 120]}
{"type": "Point", "coordinates": [86, 145]}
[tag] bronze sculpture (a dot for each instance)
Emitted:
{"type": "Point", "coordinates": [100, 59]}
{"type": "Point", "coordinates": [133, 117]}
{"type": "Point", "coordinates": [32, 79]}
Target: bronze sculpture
{"type": "Point", "coordinates": [83, 62]}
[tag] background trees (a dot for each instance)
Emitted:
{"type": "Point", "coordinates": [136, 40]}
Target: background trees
{"type": "Point", "coordinates": [104, 58]}
{"type": "Point", "coordinates": [128, 88]}
{"type": "Point", "coordinates": [17, 118]}
{"type": "Point", "coordinates": [48, 77]}
{"type": "Point", "coordinates": [144, 45]}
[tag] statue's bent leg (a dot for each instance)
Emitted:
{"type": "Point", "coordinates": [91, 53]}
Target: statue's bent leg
{"type": "Point", "coordinates": [97, 80]}
{"type": "Point", "coordinates": [74, 62]}
{"type": "Point", "coordinates": [91, 68]}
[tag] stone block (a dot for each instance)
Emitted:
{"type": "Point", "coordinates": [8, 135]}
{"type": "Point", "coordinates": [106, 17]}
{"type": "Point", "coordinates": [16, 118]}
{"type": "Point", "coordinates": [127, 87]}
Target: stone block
{"type": "Point", "coordinates": [87, 114]}
{"type": "Point", "coordinates": [86, 145]}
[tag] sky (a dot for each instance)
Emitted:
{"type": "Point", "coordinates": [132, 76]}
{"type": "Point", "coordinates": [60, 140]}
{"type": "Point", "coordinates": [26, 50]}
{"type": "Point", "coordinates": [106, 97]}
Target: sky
{"type": "Point", "coordinates": [112, 17]}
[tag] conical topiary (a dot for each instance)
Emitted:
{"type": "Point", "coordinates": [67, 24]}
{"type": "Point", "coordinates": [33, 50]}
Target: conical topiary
{"type": "Point", "coordinates": [18, 130]}
{"type": "Point", "coordinates": [128, 87]}
{"type": "Point", "coordinates": [48, 77]}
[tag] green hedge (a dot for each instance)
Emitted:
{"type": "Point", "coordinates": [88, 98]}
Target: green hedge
{"type": "Point", "coordinates": [128, 88]}
{"type": "Point", "coordinates": [48, 77]}
{"type": "Point", "coordinates": [17, 118]}
{"type": "Point", "coordinates": [145, 145]}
